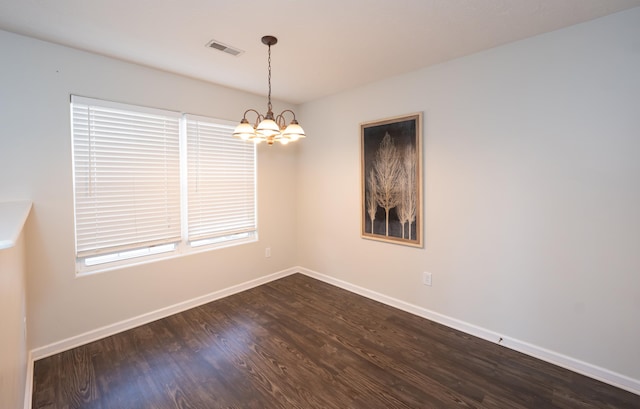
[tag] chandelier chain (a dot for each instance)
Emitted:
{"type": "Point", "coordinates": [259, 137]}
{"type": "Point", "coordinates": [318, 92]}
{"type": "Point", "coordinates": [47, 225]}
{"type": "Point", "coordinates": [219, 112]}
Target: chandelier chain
{"type": "Point", "coordinates": [269, 103]}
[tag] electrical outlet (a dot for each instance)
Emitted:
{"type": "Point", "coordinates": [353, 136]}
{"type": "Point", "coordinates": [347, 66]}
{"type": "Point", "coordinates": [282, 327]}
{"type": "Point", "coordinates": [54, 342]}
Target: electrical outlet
{"type": "Point", "coordinates": [426, 278]}
{"type": "Point", "coordinates": [267, 252]}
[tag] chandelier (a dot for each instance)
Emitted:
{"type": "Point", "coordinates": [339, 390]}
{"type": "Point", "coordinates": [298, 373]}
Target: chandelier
{"type": "Point", "coordinates": [268, 127]}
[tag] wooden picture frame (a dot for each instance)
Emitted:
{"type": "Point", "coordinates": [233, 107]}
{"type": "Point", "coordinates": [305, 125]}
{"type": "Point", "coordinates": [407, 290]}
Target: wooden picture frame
{"type": "Point", "coordinates": [391, 180]}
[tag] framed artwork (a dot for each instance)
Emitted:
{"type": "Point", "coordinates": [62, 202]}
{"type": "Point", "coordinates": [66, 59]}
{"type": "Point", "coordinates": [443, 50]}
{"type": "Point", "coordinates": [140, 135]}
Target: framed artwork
{"type": "Point", "coordinates": [391, 180]}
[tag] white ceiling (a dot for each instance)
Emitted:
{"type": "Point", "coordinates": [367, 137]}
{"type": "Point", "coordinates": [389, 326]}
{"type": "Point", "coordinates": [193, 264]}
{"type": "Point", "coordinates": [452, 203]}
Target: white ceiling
{"type": "Point", "coordinates": [324, 47]}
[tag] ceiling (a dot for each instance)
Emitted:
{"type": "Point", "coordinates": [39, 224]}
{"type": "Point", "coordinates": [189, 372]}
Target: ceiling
{"type": "Point", "coordinates": [324, 46]}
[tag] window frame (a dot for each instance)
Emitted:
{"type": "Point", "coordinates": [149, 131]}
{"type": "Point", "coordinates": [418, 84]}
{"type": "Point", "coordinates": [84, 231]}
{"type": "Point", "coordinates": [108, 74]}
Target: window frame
{"type": "Point", "coordinates": [126, 257]}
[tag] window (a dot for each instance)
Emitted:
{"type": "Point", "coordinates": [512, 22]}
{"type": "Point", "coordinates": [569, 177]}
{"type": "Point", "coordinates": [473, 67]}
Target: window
{"type": "Point", "coordinates": [150, 182]}
{"type": "Point", "coordinates": [221, 182]}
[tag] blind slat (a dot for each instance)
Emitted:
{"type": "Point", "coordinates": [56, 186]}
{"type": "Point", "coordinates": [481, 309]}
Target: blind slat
{"type": "Point", "coordinates": [221, 181]}
{"type": "Point", "coordinates": [127, 177]}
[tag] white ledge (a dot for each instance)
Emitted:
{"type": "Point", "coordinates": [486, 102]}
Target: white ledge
{"type": "Point", "coordinates": [13, 215]}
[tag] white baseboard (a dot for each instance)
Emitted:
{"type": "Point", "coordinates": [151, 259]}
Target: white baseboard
{"type": "Point", "coordinates": [572, 364]}
{"type": "Point", "coordinates": [111, 329]}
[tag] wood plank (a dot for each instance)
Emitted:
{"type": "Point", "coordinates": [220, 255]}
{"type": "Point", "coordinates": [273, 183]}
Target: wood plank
{"type": "Point", "coordinates": [302, 343]}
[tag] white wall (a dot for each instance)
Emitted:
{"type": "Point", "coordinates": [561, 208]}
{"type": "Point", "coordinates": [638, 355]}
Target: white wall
{"type": "Point", "coordinates": [532, 191]}
{"type": "Point", "coordinates": [36, 79]}
{"type": "Point", "coordinates": [13, 340]}
{"type": "Point", "coordinates": [531, 182]}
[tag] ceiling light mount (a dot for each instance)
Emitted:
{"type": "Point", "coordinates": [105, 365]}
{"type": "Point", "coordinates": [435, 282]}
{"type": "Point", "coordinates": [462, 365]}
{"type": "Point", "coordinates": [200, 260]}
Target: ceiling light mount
{"type": "Point", "coordinates": [269, 127]}
{"type": "Point", "coordinates": [269, 40]}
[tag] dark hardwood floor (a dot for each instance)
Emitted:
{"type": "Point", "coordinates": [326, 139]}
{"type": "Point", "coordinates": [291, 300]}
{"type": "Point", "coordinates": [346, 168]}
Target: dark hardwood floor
{"type": "Point", "coordinates": [301, 343]}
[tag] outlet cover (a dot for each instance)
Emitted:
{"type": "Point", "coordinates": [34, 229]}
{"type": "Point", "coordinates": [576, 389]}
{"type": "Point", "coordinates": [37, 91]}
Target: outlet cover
{"type": "Point", "coordinates": [426, 278]}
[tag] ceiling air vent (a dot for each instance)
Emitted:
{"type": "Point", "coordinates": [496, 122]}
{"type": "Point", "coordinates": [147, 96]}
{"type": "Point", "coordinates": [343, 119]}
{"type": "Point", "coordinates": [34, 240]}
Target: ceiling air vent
{"type": "Point", "coordinates": [217, 45]}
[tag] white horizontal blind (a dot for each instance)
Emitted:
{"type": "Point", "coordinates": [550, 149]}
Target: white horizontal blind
{"type": "Point", "coordinates": [221, 180]}
{"type": "Point", "coordinates": [126, 176]}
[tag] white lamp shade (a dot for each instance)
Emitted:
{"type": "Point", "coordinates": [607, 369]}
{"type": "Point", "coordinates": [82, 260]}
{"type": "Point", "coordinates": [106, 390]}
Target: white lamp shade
{"type": "Point", "coordinates": [267, 128]}
{"type": "Point", "coordinates": [294, 131]}
{"type": "Point", "coordinates": [244, 131]}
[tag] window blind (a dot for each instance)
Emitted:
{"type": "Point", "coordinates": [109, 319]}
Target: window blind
{"type": "Point", "coordinates": [221, 185]}
{"type": "Point", "coordinates": [126, 176]}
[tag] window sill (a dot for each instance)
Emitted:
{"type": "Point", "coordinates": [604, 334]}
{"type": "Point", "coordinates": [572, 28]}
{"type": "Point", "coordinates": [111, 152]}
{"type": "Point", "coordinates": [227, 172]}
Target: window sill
{"type": "Point", "coordinates": [181, 251]}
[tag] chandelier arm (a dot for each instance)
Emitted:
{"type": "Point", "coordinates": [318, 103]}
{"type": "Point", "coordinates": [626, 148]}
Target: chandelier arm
{"type": "Point", "coordinates": [290, 111]}
{"type": "Point", "coordinates": [259, 116]}
{"type": "Point", "coordinates": [280, 121]}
